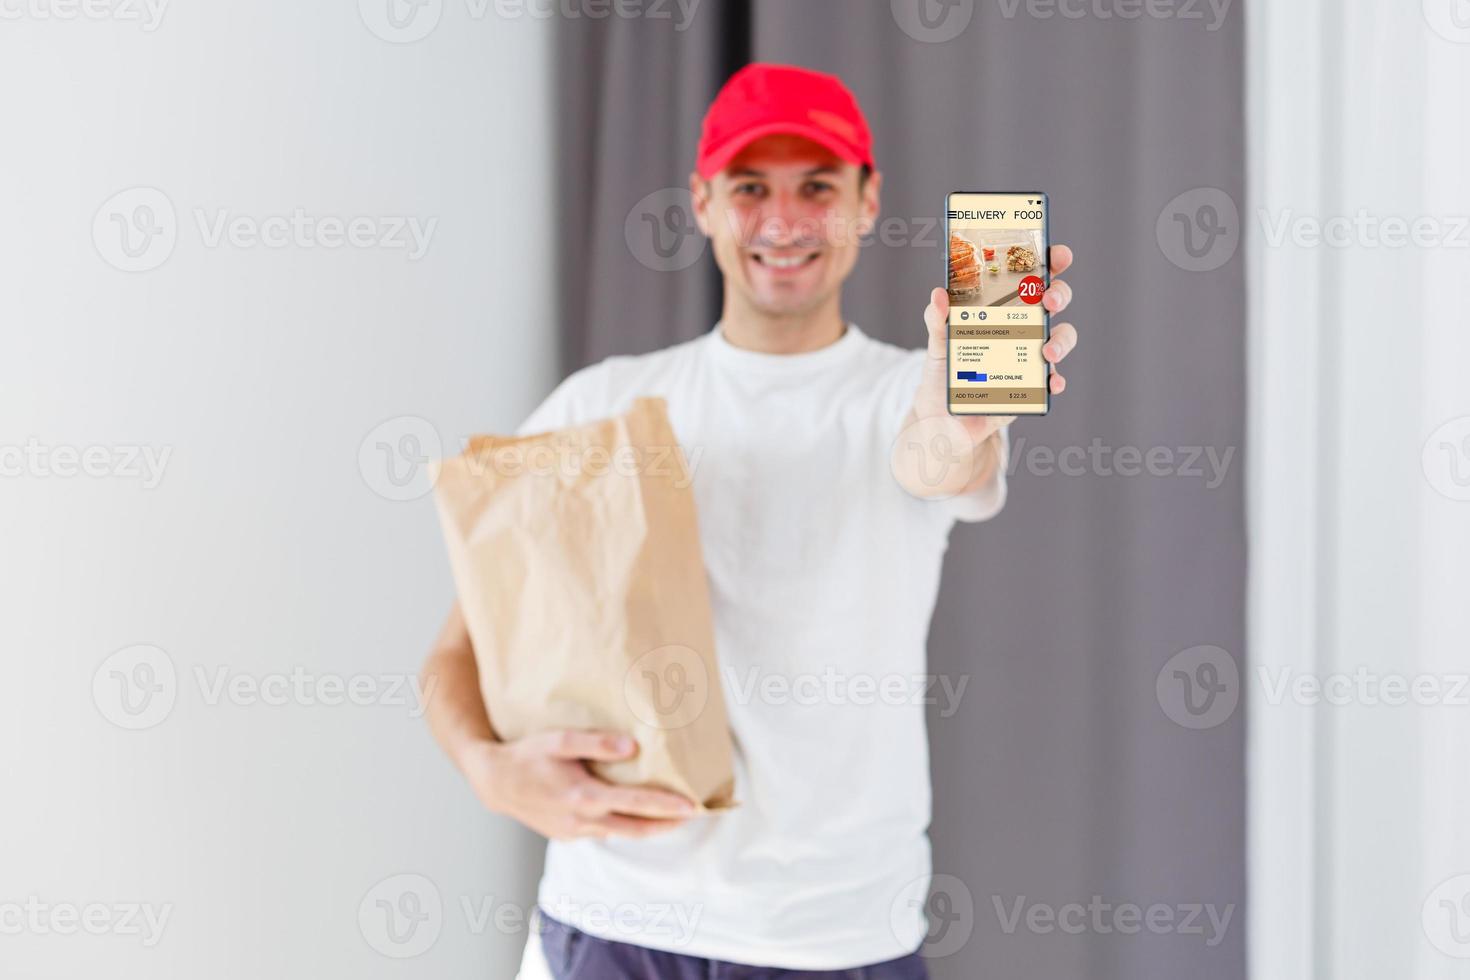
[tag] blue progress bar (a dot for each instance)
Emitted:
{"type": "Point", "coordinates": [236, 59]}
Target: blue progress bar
{"type": "Point", "coordinates": [971, 376]}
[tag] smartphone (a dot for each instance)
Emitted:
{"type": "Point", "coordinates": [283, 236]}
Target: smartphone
{"type": "Point", "coordinates": [997, 271]}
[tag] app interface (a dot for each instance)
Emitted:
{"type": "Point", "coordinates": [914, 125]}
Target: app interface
{"type": "Point", "coordinates": [997, 273]}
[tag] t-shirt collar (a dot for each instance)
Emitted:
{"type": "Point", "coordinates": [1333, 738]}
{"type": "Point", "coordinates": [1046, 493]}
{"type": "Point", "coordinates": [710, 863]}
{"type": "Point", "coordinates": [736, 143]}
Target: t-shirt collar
{"type": "Point", "coordinates": [822, 357]}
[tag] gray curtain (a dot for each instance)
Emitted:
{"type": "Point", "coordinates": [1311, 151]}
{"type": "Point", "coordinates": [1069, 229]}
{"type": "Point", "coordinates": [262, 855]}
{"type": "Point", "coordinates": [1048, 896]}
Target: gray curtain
{"type": "Point", "coordinates": [1061, 779]}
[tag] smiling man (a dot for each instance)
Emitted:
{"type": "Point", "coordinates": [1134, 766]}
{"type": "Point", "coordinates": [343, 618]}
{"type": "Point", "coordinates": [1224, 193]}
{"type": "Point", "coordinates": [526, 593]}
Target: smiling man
{"type": "Point", "coordinates": [830, 474]}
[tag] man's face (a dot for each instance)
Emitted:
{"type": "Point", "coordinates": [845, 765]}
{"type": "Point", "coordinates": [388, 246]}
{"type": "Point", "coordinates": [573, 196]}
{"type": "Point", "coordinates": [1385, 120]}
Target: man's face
{"type": "Point", "coordinates": [785, 217]}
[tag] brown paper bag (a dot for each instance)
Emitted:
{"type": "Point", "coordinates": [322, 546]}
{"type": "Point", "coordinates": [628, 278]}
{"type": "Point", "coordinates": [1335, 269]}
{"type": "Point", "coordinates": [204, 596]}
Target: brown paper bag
{"type": "Point", "coordinates": [576, 557]}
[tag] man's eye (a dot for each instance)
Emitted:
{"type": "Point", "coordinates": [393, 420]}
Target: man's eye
{"type": "Point", "coordinates": [815, 188]}
{"type": "Point", "coordinates": [749, 190]}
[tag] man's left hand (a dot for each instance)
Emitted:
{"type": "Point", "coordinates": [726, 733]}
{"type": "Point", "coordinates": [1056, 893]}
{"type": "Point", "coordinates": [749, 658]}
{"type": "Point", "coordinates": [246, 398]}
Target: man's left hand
{"type": "Point", "coordinates": [976, 436]}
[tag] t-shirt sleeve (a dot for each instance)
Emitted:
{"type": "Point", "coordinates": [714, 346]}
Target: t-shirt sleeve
{"type": "Point", "coordinates": [579, 398]}
{"type": "Point", "coordinates": [979, 504]}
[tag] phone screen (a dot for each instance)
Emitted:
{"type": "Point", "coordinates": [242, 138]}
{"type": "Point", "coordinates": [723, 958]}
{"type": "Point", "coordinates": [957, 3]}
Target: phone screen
{"type": "Point", "coordinates": [997, 272]}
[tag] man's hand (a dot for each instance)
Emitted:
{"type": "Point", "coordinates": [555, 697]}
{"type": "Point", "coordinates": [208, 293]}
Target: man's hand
{"type": "Point", "coordinates": [543, 782]}
{"type": "Point", "coordinates": [935, 436]}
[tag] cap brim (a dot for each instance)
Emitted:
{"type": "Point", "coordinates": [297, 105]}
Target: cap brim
{"type": "Point", "coordinates": [717, 160]}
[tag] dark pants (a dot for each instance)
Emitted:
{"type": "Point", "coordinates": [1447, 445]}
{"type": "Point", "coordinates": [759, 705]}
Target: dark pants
{"type": "Point", "coordinates": [574, 955]}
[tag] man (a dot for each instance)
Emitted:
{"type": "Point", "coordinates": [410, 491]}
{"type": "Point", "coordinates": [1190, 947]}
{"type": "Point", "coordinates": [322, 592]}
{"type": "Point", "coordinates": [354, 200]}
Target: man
{"type": "Point", "coordinates": [823, 547]}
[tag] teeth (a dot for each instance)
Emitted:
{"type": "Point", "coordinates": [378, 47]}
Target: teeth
{"type": "Point", "coordinates": [783, 263]}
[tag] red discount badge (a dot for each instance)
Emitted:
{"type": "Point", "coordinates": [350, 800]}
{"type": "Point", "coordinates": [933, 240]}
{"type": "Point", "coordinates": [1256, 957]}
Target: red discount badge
{"type": "Point", "coordinates": [1030, 290]}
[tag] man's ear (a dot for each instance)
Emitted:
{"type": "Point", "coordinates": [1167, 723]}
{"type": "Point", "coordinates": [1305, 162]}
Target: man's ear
{"type": "Point", "coordinates": [699, 190]}
{"type": "Point", "coordinates": [872, 202]}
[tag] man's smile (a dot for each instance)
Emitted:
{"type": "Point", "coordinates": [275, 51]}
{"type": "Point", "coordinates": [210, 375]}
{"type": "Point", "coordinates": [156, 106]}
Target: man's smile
{"type": "Point", "coordinates": [782, 264]}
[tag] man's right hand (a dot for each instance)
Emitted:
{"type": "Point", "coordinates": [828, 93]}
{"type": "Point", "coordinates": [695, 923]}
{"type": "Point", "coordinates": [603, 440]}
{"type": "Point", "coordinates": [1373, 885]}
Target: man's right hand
{"type": "Point", "coordinates": [543, 782]}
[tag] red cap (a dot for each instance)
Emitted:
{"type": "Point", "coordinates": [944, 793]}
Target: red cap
{"type": "Point", "coordinates": [762, 99]}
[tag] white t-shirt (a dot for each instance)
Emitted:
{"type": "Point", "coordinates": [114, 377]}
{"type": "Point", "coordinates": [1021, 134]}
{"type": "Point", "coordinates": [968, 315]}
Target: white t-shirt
{"type": "Point", "coordinates": [823, 574]}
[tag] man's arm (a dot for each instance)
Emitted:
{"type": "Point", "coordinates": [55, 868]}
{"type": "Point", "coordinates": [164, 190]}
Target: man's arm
{"type": "Point", "coordinates": [542, 780]}
{"type": "Point", "coordinates": [456, 711]}
{"type": "Point", "coordinates": [941, 455]}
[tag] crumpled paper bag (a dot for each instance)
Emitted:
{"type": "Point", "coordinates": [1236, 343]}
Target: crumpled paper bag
{"type": "Point", "coordinates": [576, 557]}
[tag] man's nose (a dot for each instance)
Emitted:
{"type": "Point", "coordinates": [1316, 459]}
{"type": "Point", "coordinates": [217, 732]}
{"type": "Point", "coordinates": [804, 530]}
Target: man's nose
{"type": "Point", "coordinates": [788, 220]}
{"type": "Point", "coordinates": [778, 221]}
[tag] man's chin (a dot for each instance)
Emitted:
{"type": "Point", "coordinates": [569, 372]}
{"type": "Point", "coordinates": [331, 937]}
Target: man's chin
{"type": "Point", "coordinates": [787, 305]}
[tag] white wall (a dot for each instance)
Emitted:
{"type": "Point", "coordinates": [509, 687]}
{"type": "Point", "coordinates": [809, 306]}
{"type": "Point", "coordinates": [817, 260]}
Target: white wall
{"type": "Point", "coordinates": [265, 547]}
{"type": "Point", "coordinates": [1360, 490]}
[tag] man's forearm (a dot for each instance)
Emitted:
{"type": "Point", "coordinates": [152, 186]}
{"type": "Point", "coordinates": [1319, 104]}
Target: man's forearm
{"type": "Point", "coordinates": [456, 714]}
{"type": "Point", "coordinates": [936, 458]}
{"type": "Point", "coordinates": [989, 457]}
